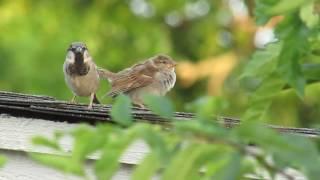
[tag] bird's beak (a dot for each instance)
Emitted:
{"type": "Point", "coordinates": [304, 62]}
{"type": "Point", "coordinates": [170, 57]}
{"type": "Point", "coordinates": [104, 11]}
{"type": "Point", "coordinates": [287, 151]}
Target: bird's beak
{"type": "Point", "coordinates": [79, 50]}
{"type": "Point", "coordinates": [79, 55]}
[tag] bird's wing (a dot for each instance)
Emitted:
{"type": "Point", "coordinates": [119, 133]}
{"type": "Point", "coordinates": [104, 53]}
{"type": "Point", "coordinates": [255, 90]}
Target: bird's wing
{"type": "Point", "coordinates": [130, 79]}
{"type": "Point", "coordinates": [105, 74]}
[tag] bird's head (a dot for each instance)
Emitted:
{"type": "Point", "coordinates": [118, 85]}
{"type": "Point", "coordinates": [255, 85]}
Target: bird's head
{"type": "Point", "coordinates": [164, 62]}
{"type": "Point", "coordinates": [78, 53]}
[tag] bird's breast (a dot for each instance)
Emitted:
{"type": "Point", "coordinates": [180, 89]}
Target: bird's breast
{"type": "Point", "coordinates": [82, 85]}
{"type": "Point", "coordinates": [167, 80]}
{"type": "Point", "coordinates": [77, 69]}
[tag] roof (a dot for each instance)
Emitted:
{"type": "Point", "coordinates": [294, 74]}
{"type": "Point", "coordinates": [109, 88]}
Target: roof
{"type": "Point", "coordinates": [49, 108]}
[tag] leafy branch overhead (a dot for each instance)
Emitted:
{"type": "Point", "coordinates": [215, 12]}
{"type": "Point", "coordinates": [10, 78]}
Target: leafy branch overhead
{"type": "Point", "coordinates": [287, 60]}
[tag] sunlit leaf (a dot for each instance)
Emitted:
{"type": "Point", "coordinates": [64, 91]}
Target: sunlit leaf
{"type": "Point", "coordinates": [207, 107]}
{"type": "Point", "coordinates": [189, 161]}
{"type": "Point", "coordinates": [203, 129]}
{"type": "Point", "coordinates": [2, 160]}
{"type": "Point", "coordinates": [108, 164]}
{"type": "Point", "coordinates": [260, 10]}
{"type": "Point", "coordinates": [61, 163]}
{"type": "Point", "coordinates": [121, 110]}
{"type": "Point", "coordinates": [159, 105]}
{"type": "Point", "coordinates": [86, 141]}
{"type": "Point", "coordinates": [43, 141]}
{"type": "Point", "coordinates": [156, 142]}
{"type": "Point", "coordinates": [147, 168]}
{"type": "Point", "coordinates": [261, 99]}
{"type": "Point", "coordinates": [308, 15]}
{"type": "Point", "coordinates": [263, 62]}
{"type": "Point", "coordinates": [285, 6]}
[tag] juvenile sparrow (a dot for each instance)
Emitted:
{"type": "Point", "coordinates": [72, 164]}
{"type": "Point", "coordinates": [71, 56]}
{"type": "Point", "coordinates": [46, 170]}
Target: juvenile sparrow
{"type": "Point", "coordinates": [80, 72]}
{"type": "Point", "coordinates": [154, 76]}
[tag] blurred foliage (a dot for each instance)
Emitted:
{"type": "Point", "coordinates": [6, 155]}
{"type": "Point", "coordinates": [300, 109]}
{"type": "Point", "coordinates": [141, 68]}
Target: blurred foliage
{"type": "Point", "coordinates": [197, 149]}
{"type": "Point", "coordinates": [2, 160]}
{"type": "Point", "coordinates": [212, 40]}
{"type": "Point", "coordinates": [282, 63]}
{"type": "Point", "coordinates": [215, 44]}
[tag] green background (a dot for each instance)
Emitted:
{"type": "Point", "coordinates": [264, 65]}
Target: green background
{"type": "Point", "coordinates": [35, 34]}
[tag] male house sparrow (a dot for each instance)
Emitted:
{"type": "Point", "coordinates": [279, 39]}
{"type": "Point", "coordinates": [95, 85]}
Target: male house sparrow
{"type": "Point", "coordinates": [154, 76]}
{"type": "Point", "coordinates": [80, 72]}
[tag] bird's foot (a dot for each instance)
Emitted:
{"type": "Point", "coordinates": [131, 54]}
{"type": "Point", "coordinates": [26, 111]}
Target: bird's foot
{"type": "Point", "coordinates": [73, 100]}
{"type": "Point", "coordinates": [140, 105]}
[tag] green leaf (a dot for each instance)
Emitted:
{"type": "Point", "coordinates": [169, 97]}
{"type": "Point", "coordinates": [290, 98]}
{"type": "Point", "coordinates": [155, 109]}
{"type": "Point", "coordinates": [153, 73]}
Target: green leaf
{"type": "Point", "coordinates": [38, 140]}
{"type": "Point", "coordinates": [289, 67]}
{"type": "Point", "coordinates": [201, 129]}
{"type": "Point", "coordinates": [261, 99]}
{"type": "Point", "coordinates": [311, 71]}
{"type": "Point", "coordinates": [159, 105]}
{"type": "Point", "coordinates": [121, 111]}
{"type": "Point", "coordinates": [291, 70]}
{"type": "Point", "coordinates": [308, 15]}
{"type": "Point", "coordinates": [188, 162]}
{"type": "Point", "coordinates": [108, 164]}
{"type": "Point", "coordinates": [231, 169]}
{"type": "Point", "coordinates": [156, 141]}
{"type": "Point", "coordinates": [61, 163]}
{"type": "Point", "coordinates": [285, 6]}
{"type": "Point", "coordinates": [285, 149]}
{"type": "Point", "coordinates": [263, 62]}
{"type": "Point", "coordinates": [86, 141]}
{"type": "Point", "coordinates": [147, 168]}
{"type": "Point", "coordinates": [259, 134]}
{"type": "Point", "coordinates": [291, 154]}
{"type": "Point", "coordinates": [208, 106]}
{"type": "Point", "coordinates": [261, 7]}
{"type": "Point", "coordinates": [2, 160]}
{"type": "Point", "coordinates": [291, 30]}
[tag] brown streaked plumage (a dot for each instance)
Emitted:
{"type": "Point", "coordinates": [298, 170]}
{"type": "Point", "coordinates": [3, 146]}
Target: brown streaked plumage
{"type": "Point", "coordinates": [81, 73]}
{"type": "Point", "coordinates": [154, 76]}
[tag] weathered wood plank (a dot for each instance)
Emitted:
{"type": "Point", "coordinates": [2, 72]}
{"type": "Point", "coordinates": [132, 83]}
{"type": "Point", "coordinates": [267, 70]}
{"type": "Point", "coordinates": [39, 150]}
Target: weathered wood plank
{"type": "Point", "coordinates": [21, 167]}
{"type": "Point", "coordinates": [16, 134]}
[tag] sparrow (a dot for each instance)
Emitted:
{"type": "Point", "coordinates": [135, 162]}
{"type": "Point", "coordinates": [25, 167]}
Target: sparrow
{"type": "Point", "coordinates": [155, 76]}
{"type": "Point", "coordinates": [81, 73]}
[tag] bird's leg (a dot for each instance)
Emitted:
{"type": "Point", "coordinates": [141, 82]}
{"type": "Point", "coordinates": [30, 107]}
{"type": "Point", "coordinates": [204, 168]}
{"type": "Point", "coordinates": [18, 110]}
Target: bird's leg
{"type": "Point", "coordinates": [137, 102]}
{"type": "Point", "coordinates": [73, 100]}
{"type": "Point", "coordinates": [91, 100]}
{"type": "Point", "coordinates": [95, 99]}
